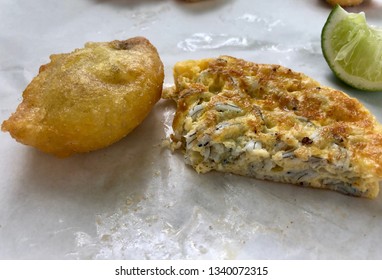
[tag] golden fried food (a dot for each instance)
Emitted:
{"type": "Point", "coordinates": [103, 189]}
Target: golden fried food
{"type": "Point", "coordinates": [345, 3]}
{"type": "Point", "coordinates": [270, 122]}
{"type": "Point", "coordinates": [90, 98]}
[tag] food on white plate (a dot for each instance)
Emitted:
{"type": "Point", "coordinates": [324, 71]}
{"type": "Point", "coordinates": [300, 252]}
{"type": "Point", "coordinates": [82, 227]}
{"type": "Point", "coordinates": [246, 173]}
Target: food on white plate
{"type": "Point", "coordinates": [269, 122]}
{"type": "Point", "coordinates": [352, 49]}
{"type": "Point", "coordinates": [90, 98]}
{"type": "Point", "coordinates": [345, 2]}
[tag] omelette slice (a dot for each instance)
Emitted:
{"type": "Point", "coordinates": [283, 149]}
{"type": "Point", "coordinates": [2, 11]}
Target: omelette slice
{"type": "Point", "coordinates": [269, 122]}
{"type": "Point", "coordinates": [89, 98]}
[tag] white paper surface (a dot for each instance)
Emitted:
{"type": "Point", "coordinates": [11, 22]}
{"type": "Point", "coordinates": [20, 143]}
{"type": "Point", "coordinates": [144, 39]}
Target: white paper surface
{"type": "Point", "coordinates": [136, 199]}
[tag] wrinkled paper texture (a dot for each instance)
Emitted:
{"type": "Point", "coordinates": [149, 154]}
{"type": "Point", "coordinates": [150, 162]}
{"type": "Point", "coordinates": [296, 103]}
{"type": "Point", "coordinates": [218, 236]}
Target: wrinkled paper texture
{"type": "Point", "coordinates": [137, 199]}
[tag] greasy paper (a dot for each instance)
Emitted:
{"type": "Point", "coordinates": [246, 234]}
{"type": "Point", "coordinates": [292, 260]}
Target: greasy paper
{"type": "Point", "coordinates": [137, 199]}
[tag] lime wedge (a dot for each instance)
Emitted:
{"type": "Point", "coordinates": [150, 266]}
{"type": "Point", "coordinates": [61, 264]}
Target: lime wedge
{"type": "Point", "coordinates": [353, 49]}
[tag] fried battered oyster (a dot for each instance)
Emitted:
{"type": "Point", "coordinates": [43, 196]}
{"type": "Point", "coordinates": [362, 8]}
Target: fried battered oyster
{"type": "Point", "coordinates": [90, 98]}
{"type": "Point", "coordinates": [269, 122]}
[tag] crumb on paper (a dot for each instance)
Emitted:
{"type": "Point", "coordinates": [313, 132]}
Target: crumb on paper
{"type": "Point", "coordinates": [171, 145]}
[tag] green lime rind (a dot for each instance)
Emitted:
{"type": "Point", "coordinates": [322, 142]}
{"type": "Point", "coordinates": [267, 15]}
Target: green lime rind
{"type": "Point", "coordinates": [353, 49]}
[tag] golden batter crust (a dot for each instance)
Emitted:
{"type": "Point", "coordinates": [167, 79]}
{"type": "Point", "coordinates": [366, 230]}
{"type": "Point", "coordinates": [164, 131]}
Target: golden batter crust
{"type": "Point", "coordinates": [89, 98]}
